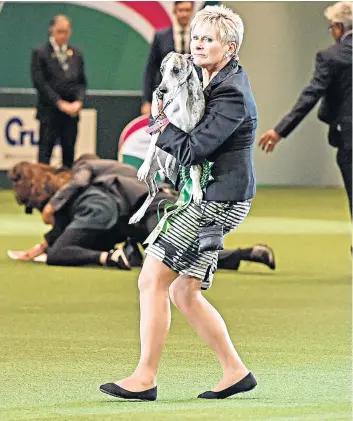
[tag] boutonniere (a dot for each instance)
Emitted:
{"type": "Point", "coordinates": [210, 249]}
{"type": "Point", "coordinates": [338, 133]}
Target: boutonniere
{"type": "Point", "coordinates": [70, 53]}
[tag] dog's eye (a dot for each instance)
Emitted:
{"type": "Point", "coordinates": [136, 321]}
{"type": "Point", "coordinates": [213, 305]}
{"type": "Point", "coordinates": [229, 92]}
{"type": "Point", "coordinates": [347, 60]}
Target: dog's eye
{"type": "Point", "coordinates": [175, 70]}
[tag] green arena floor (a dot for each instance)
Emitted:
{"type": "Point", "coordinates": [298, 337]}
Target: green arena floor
{"type": "Point", "coordinates": [64, 331]}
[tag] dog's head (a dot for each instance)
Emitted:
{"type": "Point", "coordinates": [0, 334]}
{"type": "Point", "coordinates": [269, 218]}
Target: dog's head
{"type": "Point", "coordinates": [175, 69]}
{"type": "Point", "coordinates": [35, 184]}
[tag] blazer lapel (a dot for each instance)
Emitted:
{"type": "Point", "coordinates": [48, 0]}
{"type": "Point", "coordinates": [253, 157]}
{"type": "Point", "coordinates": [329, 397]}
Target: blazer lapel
{"type": "Point", "coordinates": [230, 69]}
{"type": "Point", "coordinates": [52, 57]}
{"type": "Point", "coordinates": [348, 40]}
{"type": "Point", "coordinates": [171, 40]}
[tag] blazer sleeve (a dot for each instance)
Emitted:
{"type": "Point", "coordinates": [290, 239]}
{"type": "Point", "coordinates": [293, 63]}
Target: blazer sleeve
{"type": "Point", "coordinates": [223, 115]}
{"type": "Point", "coordinates": [151, 70]}
{"type": "Point", "coordinates": [309, 97]}
{"type": "Point", "coordinates": [39, 81]}
{"type": "Point", "coordinates": [81, 177]}
{"type": "Point", "coordinates": [82, 81]}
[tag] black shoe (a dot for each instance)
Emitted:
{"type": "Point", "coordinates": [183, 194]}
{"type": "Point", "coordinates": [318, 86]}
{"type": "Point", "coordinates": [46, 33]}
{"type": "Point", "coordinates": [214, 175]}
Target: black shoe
{"type": "Point", "coordinates": [113, 389]}
{"type": "Point", "coordinates": [133, 253]}
{"type": "Point", "coordinates": [118, 259]}
{"type": "Point", "coordinates": [245, 385]}
{"type": "Point", "coordinates": [261, 253]}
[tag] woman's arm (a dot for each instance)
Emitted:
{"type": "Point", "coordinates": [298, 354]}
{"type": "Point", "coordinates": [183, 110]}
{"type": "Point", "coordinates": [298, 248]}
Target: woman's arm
{"type": "Point", "coordinates": [35, 251]}
{"type": "Point", "coordinates": [223, 115]}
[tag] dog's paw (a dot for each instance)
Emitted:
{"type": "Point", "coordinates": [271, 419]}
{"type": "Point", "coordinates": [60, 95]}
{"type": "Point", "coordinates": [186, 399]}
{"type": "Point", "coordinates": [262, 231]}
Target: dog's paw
{"type": "Point", "coordinates": [197, 195]}
{"type": "Point", "coordinates": [142, 173]}
{"type": "Point", "coordinates": [135, 218]}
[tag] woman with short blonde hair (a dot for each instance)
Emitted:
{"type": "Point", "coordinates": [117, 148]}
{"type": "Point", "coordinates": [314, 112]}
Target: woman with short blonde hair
{"type": "Point", "coordinates": [228, 24]}
{"type": "Point", "coordinates": [180, 263]}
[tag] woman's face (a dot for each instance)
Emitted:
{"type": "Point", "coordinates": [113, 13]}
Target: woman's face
{"type": "Point", "coordinates": [206, 49]}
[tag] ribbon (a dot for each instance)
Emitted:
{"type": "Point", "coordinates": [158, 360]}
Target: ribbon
{"type": "Point", "coordinates": [157, 126]}
{"type": "Point", "coordinates": [182, 203]}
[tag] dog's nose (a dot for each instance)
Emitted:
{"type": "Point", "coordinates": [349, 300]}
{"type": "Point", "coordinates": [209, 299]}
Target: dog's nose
{"type": "Point", "coordinates": [163, 89]}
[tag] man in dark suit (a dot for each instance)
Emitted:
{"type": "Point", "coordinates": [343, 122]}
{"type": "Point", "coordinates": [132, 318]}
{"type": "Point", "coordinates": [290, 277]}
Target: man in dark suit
{"type": "Point", "coordinates": [176, 38]}
{"type": "Point", "coordinates": [332, 81]}
{"type": "Point", "coordinates": [57, 71]}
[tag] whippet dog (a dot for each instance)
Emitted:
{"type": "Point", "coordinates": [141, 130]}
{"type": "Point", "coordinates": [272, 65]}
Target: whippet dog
{"type": "Point", "coordinates": [183, 105]}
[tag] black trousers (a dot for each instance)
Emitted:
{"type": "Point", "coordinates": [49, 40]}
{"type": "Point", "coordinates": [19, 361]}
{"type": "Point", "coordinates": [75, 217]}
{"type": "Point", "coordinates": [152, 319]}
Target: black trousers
{"type": "Point", "coordinates": [57, 127]}
{"type": "Point", "coordinates": [344, 161]}
{"type": "Point", "coordinates": [79, 247]}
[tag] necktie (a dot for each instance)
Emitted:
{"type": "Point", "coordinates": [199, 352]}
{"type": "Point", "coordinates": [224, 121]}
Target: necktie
{"type": "Point", "coordinates": [182, 44]}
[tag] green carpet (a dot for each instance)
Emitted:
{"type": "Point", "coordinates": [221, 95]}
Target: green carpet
{"type": "Point", "coordinates": [64, 331]}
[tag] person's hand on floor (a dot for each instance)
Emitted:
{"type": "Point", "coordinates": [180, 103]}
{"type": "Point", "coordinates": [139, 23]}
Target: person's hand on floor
{"type": "Point", "coordinates": [32, 253]}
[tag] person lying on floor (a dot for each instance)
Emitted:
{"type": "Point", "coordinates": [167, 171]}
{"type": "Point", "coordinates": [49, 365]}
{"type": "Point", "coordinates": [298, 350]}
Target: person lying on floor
{"type": "Point", "coordinates": [89, 209]}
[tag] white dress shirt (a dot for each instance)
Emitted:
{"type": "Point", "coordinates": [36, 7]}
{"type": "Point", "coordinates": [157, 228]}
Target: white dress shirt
{"type": "Point", "coordinates": [177, 29]}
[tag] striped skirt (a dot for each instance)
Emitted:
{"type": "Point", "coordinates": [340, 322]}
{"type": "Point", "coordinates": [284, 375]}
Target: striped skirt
{"type": "Point", "coordinates": [178, 248]}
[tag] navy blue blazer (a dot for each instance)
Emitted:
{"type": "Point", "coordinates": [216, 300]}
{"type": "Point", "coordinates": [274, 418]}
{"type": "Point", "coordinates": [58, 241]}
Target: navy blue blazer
{"type": "Point", "coordinates": [163, 43]}
{"type": "Point", "coordinates": [225, 136]}
{"type": "Point", "coordinates": [332, 81]}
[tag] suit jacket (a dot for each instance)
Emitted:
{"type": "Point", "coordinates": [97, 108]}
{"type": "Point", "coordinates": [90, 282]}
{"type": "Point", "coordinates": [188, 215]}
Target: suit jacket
{"type": "Point", "coordinates": [116, 178]}
{"type": "Point", "coordinates": [225, 136]}
{"type": "Point", "coordinates": [332, 81]}
{"type": "Point", "coordinates": [53, 83]}
{"type": "Point", "coordinates": [163, 43]}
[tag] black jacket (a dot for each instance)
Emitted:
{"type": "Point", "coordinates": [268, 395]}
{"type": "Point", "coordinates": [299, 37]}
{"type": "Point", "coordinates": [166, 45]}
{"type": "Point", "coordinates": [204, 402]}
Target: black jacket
{"type": "Point", "coordinates": [52, 82]}
{"type": "Point", "coordinates": [163, 43]}
{"type": "Point", "coordinates": [332, 81]}
{"type": "Point", "coordinates": [115, 178]}
{"type": "Point", "coordinates": [225, 136]}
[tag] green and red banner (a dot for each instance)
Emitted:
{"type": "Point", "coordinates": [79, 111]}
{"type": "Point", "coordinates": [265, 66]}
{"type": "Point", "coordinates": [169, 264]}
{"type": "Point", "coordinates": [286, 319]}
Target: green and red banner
{"type": "Point", "coordinates": [114, 36]}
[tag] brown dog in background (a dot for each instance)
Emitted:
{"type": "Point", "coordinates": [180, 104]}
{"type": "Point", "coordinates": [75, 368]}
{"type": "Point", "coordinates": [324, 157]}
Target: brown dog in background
{"type": "Point", "coordinates": [35, 184]}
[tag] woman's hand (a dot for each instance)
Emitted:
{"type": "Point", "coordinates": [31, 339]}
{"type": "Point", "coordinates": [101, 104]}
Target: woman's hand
{"type": "Point", "coordinates": [35, 251]}
{"type": "Point", "coordinates": [163, 128]}
{"type": "Point", "coordinates": [48, 214]}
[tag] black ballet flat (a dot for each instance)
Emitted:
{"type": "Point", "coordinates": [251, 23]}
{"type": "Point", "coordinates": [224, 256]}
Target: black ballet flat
{"type": "Point", "coordinates": [244, 385]}
{"type": "Point", "coordinates": [113, 389]}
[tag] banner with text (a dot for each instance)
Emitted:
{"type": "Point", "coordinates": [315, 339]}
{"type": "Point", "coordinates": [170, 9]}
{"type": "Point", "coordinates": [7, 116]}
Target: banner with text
{"type": "Point", "coordinates": [19, 136]}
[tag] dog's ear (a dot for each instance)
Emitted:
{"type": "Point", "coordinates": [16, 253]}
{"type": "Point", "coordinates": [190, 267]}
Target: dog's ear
{"type": "Point", "coordinates": [190, 67]}
{"type": "Point", "coordinates": [164, 61]}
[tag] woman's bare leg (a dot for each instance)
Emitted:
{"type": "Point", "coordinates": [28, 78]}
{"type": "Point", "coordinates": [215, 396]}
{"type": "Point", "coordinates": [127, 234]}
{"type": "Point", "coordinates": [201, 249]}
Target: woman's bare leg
{"type": "Point", "coordinates": [154, 281]}
{"type": "Point", "coordinates": [185, 293]}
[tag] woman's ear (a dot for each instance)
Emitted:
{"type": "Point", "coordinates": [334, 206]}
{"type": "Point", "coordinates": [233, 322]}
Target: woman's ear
{"type": "Point", "coordinates": [232, 48]}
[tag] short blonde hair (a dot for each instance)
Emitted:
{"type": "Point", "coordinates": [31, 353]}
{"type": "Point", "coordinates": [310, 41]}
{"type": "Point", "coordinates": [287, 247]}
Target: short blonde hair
{"type": "Point", "coordinates": [340, 12]}
{"type": "Point", "coordinates": [228, 24]}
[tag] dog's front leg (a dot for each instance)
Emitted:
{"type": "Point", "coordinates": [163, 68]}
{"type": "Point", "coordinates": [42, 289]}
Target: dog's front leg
{"type": "Point", "coordinates": [195, 175]}
{"type": "Point", "coordinates": [152, 191]}
{"type": "Point", "coordinates": [151, 152]}
{"type": "Point", "coordinates": [145, 167]}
